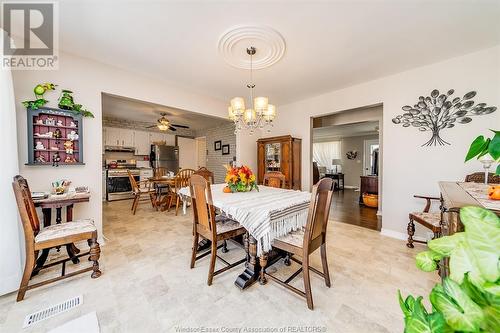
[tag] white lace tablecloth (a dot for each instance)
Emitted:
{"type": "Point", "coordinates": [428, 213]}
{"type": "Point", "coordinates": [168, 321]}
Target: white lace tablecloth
{"type": "Point", "coordinates": [266, 214]}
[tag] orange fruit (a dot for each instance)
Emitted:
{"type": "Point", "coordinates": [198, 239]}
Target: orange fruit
{"type": "Point", "coordinates": [226, 189]}
{"type": "Point", "coordinates": [494, 192]}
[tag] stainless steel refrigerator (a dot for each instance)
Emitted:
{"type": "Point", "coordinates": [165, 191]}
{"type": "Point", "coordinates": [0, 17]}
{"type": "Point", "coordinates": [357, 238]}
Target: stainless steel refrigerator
{"type": "Point", "coordinates": [165, 156]}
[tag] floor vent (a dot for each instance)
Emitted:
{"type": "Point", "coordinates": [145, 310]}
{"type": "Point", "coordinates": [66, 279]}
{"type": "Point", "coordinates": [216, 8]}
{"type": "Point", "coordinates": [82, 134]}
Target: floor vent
{"type": "Point", "coordinates": [52, 311]}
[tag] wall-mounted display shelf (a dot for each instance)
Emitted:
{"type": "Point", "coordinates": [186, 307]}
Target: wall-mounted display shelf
{"type": "Point", "coordinates": [55, 137]}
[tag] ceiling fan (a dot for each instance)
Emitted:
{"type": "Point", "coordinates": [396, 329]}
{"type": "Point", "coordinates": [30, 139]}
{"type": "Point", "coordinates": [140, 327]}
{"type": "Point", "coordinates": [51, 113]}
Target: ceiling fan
{"type": "Point", "coordinates": [164, 124]}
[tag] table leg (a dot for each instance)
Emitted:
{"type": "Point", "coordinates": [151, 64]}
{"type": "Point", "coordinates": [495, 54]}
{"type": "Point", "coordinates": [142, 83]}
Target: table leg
{"type": "Point", "coordinates": [252, 266]}
{"type": "Point", "coordinates": [263, 264]}
{"type": "Point", "coordinates": [70, 248]}
{"type": "Point", "coordinates": [40, 261]}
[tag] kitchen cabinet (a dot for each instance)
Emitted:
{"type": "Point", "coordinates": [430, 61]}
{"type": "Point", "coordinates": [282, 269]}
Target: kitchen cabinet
{"type": "Point", "coordinates": [156, 137]}
{"type": "Point", "coordinates": [142, 142]}
{"type": "Point", "coordinates": [283, 154]}
{"type": "Point", "coordinates": [119, 137]}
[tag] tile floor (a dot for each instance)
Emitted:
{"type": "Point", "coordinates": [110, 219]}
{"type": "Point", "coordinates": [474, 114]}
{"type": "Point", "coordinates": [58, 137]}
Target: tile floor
{"type": "Point", "coordinates": [147, 285]}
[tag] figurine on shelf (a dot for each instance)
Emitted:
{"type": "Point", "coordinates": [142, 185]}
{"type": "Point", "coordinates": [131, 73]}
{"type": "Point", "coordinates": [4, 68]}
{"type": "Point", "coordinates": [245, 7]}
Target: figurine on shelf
{"type": "Point", "coordinates": [69, 159]}
{"type": "Point", "coordinates": [40, 159]}
{"type": "Point", "coordinates": [57, 133]}
{"type": "Point", "coordinates": [54, 148]}
{"type": "Point", "coordinates": [39, 122]}
{"type": "Point", "coordinates": [59, 123]}
{"type": "Point", "coordinates": [44, 135]}
{"type": "Point", "coordinates": [39, 146]}
{"type": "Point", "coordinates": [72, 136]}
{"type": "Point", "coordinates": [50, 121]}
{"type": "Point", "coordinates": [68, 146]}
{"type": "Point", "coordinates": [72, 124]}
{"type": "Point", "coordinates": [56, 158]}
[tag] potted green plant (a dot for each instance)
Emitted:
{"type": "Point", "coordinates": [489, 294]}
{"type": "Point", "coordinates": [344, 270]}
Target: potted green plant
{"type": "Point", "coordinates": [39, 90]}
{"type": "Point", "coordinates": [469, 299]}
{"type": "Point", "coordinates": [481, 147]}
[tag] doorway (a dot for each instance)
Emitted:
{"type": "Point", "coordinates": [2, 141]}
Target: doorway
{"type": "Point", "coordinates": [347, 146]}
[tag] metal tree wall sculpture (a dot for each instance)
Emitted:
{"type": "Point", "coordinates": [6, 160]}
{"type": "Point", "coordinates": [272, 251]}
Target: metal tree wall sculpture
{"type": "Point", "coordinates": [436, 112]}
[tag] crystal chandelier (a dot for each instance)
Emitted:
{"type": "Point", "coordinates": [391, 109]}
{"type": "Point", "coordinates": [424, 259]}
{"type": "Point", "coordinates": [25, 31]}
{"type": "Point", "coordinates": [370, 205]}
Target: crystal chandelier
{"type": "Point", "coordinates": [260, 115]}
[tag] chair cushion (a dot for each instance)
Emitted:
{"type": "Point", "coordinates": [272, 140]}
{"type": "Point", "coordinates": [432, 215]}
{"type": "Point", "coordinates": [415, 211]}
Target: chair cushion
{"type": "Point", "coordinates": [225, 224]}
{"type": "Point", "coordinates": [431, 218]}
{"type": "Point", "coordinates": [65, 229]}
{"type": "Point", "coordinates": [295, 238]}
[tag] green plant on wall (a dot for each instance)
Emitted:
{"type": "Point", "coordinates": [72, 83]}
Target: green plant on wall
{"type": "Point", "coordinates": [469, 299]}
{"type": "Point", "coordinates": [39, 90]}
{"type": "Point", "coordinates": [481, 147]}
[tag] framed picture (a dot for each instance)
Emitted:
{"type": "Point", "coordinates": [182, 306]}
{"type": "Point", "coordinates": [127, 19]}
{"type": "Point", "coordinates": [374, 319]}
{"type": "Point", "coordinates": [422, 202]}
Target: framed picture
{"type": "Point", "coordinates": [218, 145]}
{"type": "Point", "coordinates": [225, 150]}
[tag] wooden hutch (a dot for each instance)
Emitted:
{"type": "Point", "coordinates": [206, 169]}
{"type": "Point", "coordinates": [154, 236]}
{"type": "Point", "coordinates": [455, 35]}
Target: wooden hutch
{"type": "Point", "coordinates": [280, 153]}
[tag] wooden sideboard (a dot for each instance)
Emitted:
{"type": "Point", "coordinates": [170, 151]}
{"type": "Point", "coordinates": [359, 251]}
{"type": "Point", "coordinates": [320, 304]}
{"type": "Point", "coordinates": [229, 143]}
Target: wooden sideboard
{"type": "Point", "coordinates": [369, 184]}
{"type": "Point", "coordinates": [283, 154]}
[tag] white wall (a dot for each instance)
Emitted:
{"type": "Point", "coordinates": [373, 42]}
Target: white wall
{"type": "Point", "coordinates": [88, 79]}
{"type": "Point", "coordinates": [11, 235]}
{"type": "Point", "coordinates": [408, 168]}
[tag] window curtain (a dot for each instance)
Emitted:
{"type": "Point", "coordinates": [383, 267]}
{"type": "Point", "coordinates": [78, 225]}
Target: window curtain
{"type": "Point", "coordinates": [11, 233]}
{"type": "Point", "coordinates": [325, 152]}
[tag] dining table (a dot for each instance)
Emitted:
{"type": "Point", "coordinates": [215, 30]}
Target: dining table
{"type": "Point", "coordinates": [58, 202]}
{"type": "Point", "coordinates": [158, 181]}
{"type": "Point", "coordinates": [266, 214]}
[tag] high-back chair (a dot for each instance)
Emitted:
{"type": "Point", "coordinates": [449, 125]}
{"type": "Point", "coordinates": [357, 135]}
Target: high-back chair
{"type": "Point", "coordinates": [181, 180]}
{"type": "Point", "coordinates": [305, 241]}
{"type": "Point", "coordinates": [140, 188]}
{"type": "Point", "coordinates": [159, 172]}
{"type": "Point", "coordinates": [209, 226]}
{"type": "Point", "coordinates": [432, 220]}
{"type": "Point", "coordinates": [207, 174]}
{"type": "Point", "coordinates": [37, 239]}
{"type": "Point", "coordinates": [274, 179]}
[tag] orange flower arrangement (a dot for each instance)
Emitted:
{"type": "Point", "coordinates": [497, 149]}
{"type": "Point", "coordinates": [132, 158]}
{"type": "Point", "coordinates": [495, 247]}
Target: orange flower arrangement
{"type": "Point", "coordinates": [240, 179]}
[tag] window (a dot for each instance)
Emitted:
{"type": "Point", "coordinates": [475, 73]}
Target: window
{"type": "Point", "coordinates": [325, 152]}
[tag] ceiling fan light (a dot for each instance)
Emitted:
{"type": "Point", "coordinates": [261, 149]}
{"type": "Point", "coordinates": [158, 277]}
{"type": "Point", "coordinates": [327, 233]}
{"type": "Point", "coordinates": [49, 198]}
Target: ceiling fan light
{"type": "Point", "coordinates": [260, 104]}
{"type": "Point", "coordinates": [162, 127]}
{"type": "Point", "coordinates": [238, 105]}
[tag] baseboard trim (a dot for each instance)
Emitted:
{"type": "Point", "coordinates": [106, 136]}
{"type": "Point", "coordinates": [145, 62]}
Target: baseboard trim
{"type": "Point", "coordinates": [351, 187]}
{"type": "Point", "coordinates": [10, 284]}
{"type": "Point", "coordinates": [399, 235]}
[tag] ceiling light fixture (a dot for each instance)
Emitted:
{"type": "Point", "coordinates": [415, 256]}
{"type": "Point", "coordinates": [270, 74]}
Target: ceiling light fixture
{"type": "Point", "coordinates": [260, 115]}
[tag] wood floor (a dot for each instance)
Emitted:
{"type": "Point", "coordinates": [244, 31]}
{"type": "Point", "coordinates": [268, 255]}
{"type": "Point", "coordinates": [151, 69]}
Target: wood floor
{"type": "Point", "coordinates": [346, 209]}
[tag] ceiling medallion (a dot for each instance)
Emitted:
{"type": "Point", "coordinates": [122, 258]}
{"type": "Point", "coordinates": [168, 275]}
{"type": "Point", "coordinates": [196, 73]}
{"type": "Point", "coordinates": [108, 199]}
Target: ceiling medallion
{"type": "Point", "coordinates": [234, 42]}
{"type": "Point", "coordinates": [261, 114]}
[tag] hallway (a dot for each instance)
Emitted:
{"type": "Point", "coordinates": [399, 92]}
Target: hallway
{"type": "Point", "coordinates": [346, 209]}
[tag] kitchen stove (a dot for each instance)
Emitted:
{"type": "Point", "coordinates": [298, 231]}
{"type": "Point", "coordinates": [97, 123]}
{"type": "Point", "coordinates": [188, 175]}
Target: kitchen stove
{"type": "Point", "coordinates": [118, 185]}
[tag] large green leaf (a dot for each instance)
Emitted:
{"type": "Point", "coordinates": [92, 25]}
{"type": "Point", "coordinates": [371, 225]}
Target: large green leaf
{"type": "Point", "coordinates": [459, 311]}
{"type": "Point", "coordinates": [426, 260]}
{"type": "Point", "coordinates": [494, 146]}
{"type": "Point", "coordinates": [491, 319]}
{"type": "Point", "coordinates": [474, 292]}
{"type": "Point", "coordinates": [444, 245]}
{"type": "Point", "coordinates": [476, 147]}
{"type": "Point", "coordinates": [462, 261]}
{"type": "Point", "coordinates": [405, 305]}
{"type": "Point", "coordinates": [437, 323]}
{"type": "Point", "coordinates": [483, 237]}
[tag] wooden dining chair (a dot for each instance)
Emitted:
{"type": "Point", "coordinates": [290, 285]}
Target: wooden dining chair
{"type": "Point", "coordinates": [274, 179]}
{"type": "Point", "coordinates": [305, 241]}
{"type": "Point", "coordinates": [141, 188]}
{"type": "Point", "coordinates": [209, 226]}
{"type": "Point", "coordinates": [207, 174]}
{"type": "Point", "coordinates": [433, 220]}
{"type": "Point", "coordinates": [181, 180]}
{"type": "Point", "coordinates": [37, 239]}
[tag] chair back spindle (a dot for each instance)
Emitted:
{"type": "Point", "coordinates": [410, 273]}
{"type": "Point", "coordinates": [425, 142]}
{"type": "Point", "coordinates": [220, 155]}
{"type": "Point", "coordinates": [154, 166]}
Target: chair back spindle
{"type": "Point", "coordinates": [319, 211]}
{"type": "Point", "coordinates": [159, 172]}
{"type": "Point", "coordinates": [133, 182]}
{"type": "Point", "coordinates": [182, 178]}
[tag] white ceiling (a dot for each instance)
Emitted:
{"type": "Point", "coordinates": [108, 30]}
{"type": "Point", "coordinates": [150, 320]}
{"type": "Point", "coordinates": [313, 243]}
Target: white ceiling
{"type": "Point", "coordinates": [348, 130]}
{"type": "Point", "coordinates": [143, 112]}
{"type": "Point", "coordinates": [329, 44]}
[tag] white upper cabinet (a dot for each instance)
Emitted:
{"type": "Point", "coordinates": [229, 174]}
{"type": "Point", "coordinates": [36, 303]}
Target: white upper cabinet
{"type": "Point", "coordinates": [127, 137]}
{"type": "Point", "coordinates": [142, 143]}
{"type": "Point", "coordinates": [118, 137]}
{"type": "Point", "coordinates": [112, 136]}
{"type": "Point", "coordinates": [169, 139]}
